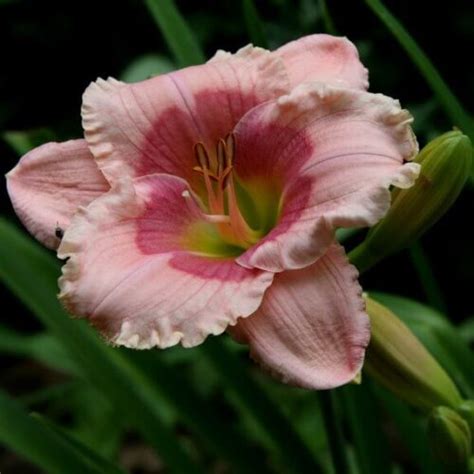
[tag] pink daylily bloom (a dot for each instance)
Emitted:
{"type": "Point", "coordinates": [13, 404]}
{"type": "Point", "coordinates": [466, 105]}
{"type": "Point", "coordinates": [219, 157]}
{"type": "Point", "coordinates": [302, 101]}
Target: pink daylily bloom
{"type": "Point", "coordinates": [207, 200]}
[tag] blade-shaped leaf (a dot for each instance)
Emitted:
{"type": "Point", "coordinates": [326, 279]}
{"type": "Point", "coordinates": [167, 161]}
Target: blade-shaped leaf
{"type": "Point", "coordinates": [269, 420]}
{"type": "Point", "coordinates": [145, 67]}
{"type": "Point", "coordinates": [41, 347]}
{"type": "Point", "coordinates": [124, 373]}
{"type": "Point", "coordinates": [364, 424]}
{"type": "Point", "coordinates": [254, 24]}
{"type": "Point", "coordinates": [178, 36]}
{"type": "Point", "coordinates": [43, 446]}
{"type": "Point", "coordinates": [411, 430]}
{"type": "Point", "coordinates": [104, 367]}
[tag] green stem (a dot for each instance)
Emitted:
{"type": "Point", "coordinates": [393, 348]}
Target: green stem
{"type": "Point", "coordinates": [425, 275]}
{"type": "Point", "coordinates": [334, 432]}
{"type": "Point", "coordinates": [448, 100]}
{"type": "Point", "coordinates": [362, 258]}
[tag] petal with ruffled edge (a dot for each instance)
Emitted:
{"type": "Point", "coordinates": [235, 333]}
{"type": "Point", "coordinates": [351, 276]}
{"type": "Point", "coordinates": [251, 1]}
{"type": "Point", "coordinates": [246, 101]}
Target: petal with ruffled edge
{"type": "Point", "coordinates": [152, 126]}
{"type": "Point", "coordinates": [324, 58]}
{"type": "Point", "coordinates": [48, 185]}
{"type": "Point", "coordinates": [333, 153]}
{"type": "Point", "coordinates": [311, 329]}
{"type": "Point", "coordinates": [129, 272]}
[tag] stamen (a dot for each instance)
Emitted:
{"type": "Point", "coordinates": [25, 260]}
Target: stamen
{"type": "Point", "coordinates": [221, 157]}
{"type": "Point", "coordinates": [201, 155]}
{"type": "Point", "coordinates": [201, 171]}
{"type": "Point", "coordinates": [202, 158]}
{"type": "Point", "coordinates": [230, 147]}
{"type": "Point", "coordinates": [224, 179]}
{"type": "Point", "coordinates": [233, 228]}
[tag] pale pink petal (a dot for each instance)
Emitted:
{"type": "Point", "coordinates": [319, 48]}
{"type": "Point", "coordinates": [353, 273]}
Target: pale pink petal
{"type": "Point", "coordinates": [324, 58]}
{"type": "Point", "coordinates": [334, 153]}
{"type": "Point", "coordinates": [130, 274]}
{"type": "Point", "coordinates": [311, 329]}
{"type": "Point", "coordinates": [152, 126]}
{"type": "Point", "coordinates": [48, 185]}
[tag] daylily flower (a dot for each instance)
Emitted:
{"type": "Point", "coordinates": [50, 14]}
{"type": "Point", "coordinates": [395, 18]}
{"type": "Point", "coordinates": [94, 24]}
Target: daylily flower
{"type": "Point", "coordinates": [207, 199]}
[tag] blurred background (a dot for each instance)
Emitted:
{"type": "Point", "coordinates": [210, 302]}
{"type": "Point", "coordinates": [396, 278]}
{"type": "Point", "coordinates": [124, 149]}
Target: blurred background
{"type": "Point", "coordinates": [50, 52]}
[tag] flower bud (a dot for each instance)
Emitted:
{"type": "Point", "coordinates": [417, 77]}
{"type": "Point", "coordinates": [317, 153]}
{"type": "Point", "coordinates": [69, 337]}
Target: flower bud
{"type": "Point", "coordinates": [450, 439]}
{"type": "Point", "coordinates": [466, 410]}
{"type": "Point", "coordinates": [400, 362]}
{"type": "Point", "coordinates": [445, 166]}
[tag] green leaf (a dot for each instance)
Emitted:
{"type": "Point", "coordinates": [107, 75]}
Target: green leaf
{"type": "Point", "coordinates": [95, 421]}
{"type": "Point", "coordinates": [24, 141]}
{"type": "Point", "coordinates": [198, 414]}
{"type": "Point", "coordinates": [439, 336]}
{"type": "Point", "coordinates": [41, 347]}
{"type": "Point", "coordinates": [447, 99]}
{"type": "Point", "coordinates": [274, 427]}
{"type": "Point", "coordinates": [178, 36]}
{"type": "Point", "coordinates": [102, 464]}
{"type": "Point", "coordinates": [425, 276]}
{"type": "Point", "coordinates": [123, 376]}
{"type": "Point", "coordinates": [466, 329]}
{"type": "Point", "coordinates": [45, 447]}
{"type": "Point", "coordinates": [332, 421]}
{"type": "Point", "coordinates": [104, 367]}
{"type": "Point", "coordinates": [411, 430]}
{"type": "Point", "coordinates": [147, 66]}
{"type": "Point", "coordinates": [364, 425]}
{"type": "Point", "coordinates": [50, 393]}
{"type": "Point", "coordinates": [254, 24]}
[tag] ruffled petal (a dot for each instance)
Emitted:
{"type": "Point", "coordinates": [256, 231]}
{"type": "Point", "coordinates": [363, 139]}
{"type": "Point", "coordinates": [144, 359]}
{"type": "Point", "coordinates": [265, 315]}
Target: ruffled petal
{"type": "Point", "coordinates": [151, 127]}
{"type": "Point", "coordinates": [334, 153]}
{"type": "Point", "coordinates": [324, 58]}
{"type": "Point", "coordinates": [48, 185]}
{"type": "Point", "coordinates": [129, 273]}
{"type": "Point", "coordinates": [311, 329]}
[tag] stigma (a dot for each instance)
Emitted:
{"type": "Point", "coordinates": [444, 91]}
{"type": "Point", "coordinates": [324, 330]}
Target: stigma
{"type": "Point", "coordinates": [222, 207]}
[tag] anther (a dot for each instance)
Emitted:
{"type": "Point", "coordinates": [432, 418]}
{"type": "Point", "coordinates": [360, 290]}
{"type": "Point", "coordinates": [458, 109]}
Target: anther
{"type": "Point", "coordinates": [230, 148]}
{"type": "Point", "coordinates": [201, 155]}
{"type": "Point", "coordinates": [221, 156]}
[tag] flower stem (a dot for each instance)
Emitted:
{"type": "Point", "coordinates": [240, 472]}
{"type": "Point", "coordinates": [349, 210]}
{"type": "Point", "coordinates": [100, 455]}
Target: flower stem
{"type": "Point", "coordinates": [362, 258]}
{"type": "Point", "coordinates": [334, 432]}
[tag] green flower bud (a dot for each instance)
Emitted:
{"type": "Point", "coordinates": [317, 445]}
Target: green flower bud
{"type": "Point", "coordinates": [466, 410]}
{"type": "Point", "coordinates": [445, 166]}
{"type": "Point", "coordinates": [400, 362]}
{"type": "Point", "coordinates": [450, 439]}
